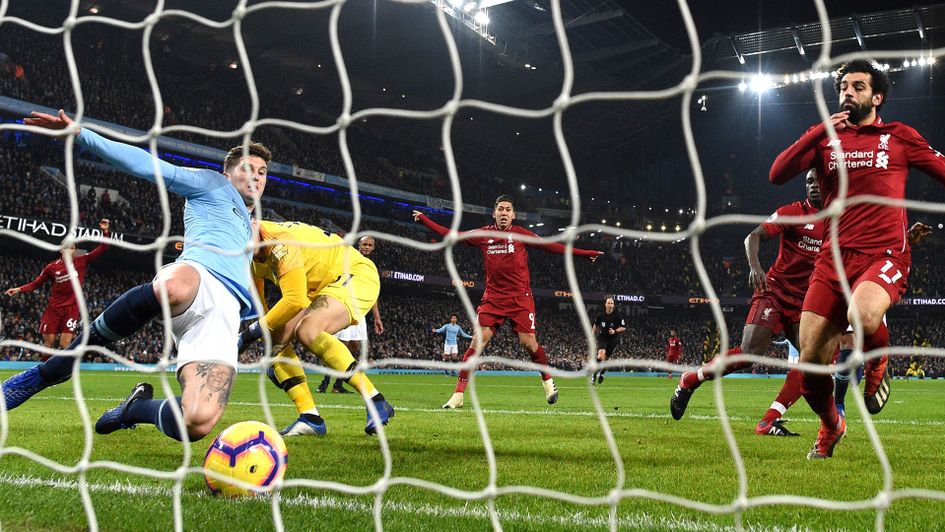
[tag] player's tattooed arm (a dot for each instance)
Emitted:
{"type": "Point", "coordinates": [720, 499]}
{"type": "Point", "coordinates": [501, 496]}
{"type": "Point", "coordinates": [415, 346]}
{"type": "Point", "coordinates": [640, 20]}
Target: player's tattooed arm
{"type": "Point", "coordinates": [216, 380]}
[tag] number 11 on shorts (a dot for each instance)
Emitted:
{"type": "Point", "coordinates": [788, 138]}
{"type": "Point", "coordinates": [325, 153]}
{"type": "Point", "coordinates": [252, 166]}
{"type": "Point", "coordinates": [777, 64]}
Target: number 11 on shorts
{"type": "Point", "coordinates": [883, 273]}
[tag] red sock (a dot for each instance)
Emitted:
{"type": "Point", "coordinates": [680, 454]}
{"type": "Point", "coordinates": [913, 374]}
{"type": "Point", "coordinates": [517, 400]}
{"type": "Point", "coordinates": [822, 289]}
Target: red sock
{"type": "Point", "coordinates": [879, 338]}
{"type": "Point", "coordinates": [692, 380]}
{"type": "Point", "coordinates": [463, 379]}
{"type": "Point", "coordinates": [818, 391]}
{"type": "Point", "coordinates": [789, 394]}
{"type": "Point", "coordinates": [540, 357]}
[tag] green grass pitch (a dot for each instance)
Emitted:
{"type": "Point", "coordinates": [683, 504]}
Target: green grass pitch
{"type": "Point", "coordinates": [560, 447]}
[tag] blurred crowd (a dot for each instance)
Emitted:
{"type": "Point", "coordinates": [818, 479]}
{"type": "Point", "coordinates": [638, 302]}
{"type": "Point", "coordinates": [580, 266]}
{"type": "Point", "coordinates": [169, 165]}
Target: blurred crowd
{"type": "Point", "coordinates": [409, 320]}
{"type": "Point", "coordinates": [217, 98]}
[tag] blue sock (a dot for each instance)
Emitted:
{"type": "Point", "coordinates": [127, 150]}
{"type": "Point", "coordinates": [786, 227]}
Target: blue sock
{"type": "Point", "coordinates": [841, 380]}
{"type": "Point", "coordinates": [157, 412]}
{"type": "Point", "coordinates": [125, 316]}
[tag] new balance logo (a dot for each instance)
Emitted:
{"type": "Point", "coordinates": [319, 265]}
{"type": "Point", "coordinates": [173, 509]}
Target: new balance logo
{"type": "Point", "coordinates": [809, 227]}
{"type": "Point", "coordinates": [834, 144]}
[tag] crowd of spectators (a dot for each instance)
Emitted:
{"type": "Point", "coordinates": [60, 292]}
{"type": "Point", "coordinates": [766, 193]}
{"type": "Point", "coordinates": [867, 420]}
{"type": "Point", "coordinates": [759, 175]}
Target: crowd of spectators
{"type": "Point", "coordinates": [409, 319]}
{"type": "Point", "coordinates": [628, 266]}
{"type": "Point", "coordinates": [213, 98]}
{"type": "Point", "coordinates": [216, 98]}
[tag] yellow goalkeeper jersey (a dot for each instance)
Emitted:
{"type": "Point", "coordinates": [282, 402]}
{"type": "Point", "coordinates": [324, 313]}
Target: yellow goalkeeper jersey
{"type": "Point", "coordinates": [302, 259]}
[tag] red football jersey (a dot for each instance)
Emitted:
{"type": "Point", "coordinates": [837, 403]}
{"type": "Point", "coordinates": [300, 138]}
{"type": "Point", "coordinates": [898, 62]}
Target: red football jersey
{"type": "Point", "coordinates": [800, 244]}
{"type": "Point", "coordinates": [877, 158]}
{"type": "Point", "coordinates": [61, 293]}
{"type": "Point", "coordinates": [506, 259]}
{"type": "Point", "coordinates": [673, 345]}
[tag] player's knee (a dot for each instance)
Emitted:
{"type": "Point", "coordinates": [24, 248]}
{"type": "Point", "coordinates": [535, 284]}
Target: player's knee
{"type": "Point", "coordinates": [307, 332]}
{"type": "Point", "coordinates": [180, 290]}
{"type": "Point", "coordinates": [871, 319]}
{"type": "Point", "coordinates": [200, 422]}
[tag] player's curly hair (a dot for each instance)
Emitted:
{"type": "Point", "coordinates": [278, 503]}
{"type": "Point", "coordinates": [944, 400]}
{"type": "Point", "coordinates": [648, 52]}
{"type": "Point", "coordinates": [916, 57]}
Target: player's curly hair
{"type": "Point", "coordinates": [879, 80]}
{"type": "Point", "coordinates": [235, 155]}
{"type": "Point", "coordinates": [504, 197]}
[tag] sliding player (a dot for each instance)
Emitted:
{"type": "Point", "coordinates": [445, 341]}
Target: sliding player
{"type": "Point", "coordinates": [326, 286]}
{"type": "Point", "coordinates": [207, 290]}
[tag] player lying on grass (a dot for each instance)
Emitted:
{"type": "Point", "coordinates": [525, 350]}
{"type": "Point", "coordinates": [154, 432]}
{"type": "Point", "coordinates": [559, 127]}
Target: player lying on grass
{"type": "Point", "coordinates": [207, 287]}
{"type": "Point", "coordinates": [326, 286]}
{"type": "Point", "coordinates": [508, 294]}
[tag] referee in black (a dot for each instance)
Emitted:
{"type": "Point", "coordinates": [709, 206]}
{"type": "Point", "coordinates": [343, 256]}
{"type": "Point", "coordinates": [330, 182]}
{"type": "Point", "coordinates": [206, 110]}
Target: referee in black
{"type": "Point", "coordinates": [608, 326]}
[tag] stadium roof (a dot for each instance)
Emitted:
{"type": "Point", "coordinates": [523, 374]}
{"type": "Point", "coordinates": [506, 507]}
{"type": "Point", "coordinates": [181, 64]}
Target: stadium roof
{"type": "Point", "coordinates": [396, 57]}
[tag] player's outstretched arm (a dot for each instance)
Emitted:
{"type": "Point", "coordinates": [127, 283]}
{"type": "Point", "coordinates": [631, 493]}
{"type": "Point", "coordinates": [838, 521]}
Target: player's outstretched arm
{"type": "Point", "coordinates": [126, 158]}
{"type": "Point", "coordinates": [443, 231]}
{"type": "Point", "coordinates": [464, 334]}
{"type": "Point", "coordinates": [104, 225]}
{"type": "Point", "coordinates": [12, 291]}
{"type": "Point", "coordinates": [560, 249]}
{"type": "Point", "coordinates": [756, 277]}
{"type": "Point", "coordinates": [438, 331]}
{"type": "Point", "coordinates": [430, 224]}
{"type": "Point", "coordinates": [32, 285]}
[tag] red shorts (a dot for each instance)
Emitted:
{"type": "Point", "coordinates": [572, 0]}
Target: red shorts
{"type": "Point", "coordinates": [672, 358]}
{"type": "Point", "coordinates": [58, 320]}
{"type": "Point", "coordinates": [520, 310]}
{"type": "Point", "coordinates": [774, 309]}
{"type": "Point", "coordinates": [825, 297]}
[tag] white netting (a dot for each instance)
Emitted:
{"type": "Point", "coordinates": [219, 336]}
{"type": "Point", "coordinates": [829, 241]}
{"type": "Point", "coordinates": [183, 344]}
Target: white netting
{"type": "Point", "coordinates": [740, 502]}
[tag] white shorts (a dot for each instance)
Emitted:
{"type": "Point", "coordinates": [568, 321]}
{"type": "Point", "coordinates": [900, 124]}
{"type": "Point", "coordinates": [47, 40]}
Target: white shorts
{"type": "Point", "coordinates": [353, 333]}
{"type": "Point", "coordinates": [450, 349]}
{"type": "Point", "coordinates": [209, 328]}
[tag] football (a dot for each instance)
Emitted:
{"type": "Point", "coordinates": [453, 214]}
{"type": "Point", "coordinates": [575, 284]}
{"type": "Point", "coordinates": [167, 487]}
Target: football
{"type": "Point", "coordinates": [251, 453]}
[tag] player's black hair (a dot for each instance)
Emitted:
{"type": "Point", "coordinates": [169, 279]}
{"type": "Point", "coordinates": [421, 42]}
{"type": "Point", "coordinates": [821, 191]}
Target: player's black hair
{"type": "Point", "coordinates": [457, 316]}
{"type": "Point", "coordinates": [504, 197]}
{"type": "Point", "coordinates": [235, 155]}
{"type": "Point", "coordinates": [879, 81]}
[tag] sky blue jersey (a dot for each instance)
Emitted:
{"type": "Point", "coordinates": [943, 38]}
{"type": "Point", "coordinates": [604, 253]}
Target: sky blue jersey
{"type": "Point", "coordinates": [215, 216]}
{"type": "Point", "coordinates": [451, 332]}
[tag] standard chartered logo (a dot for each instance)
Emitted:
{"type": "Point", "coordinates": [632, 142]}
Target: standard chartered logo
{"type": "Point", "coordinates": [882, 160]}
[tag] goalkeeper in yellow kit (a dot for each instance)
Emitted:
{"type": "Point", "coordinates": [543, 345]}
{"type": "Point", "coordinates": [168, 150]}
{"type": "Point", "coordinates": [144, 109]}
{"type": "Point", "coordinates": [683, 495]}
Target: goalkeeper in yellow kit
{"type": "Point", "coordinates": [326, 286]}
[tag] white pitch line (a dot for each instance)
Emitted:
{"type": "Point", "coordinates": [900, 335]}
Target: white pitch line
{"type": "Point", "coordinates": [579, 519]}
{"type": "Point", "coordinates": [544, 412]}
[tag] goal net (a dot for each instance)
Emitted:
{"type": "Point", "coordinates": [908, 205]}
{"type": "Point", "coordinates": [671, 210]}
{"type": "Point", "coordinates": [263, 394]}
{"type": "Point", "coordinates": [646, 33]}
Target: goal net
{"type": "Point", "coordinates": [627, 488]}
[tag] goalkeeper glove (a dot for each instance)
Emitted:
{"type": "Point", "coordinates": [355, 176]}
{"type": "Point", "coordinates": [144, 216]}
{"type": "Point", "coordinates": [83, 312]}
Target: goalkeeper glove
{"type": "Point", "coordinates": [247, 337]}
